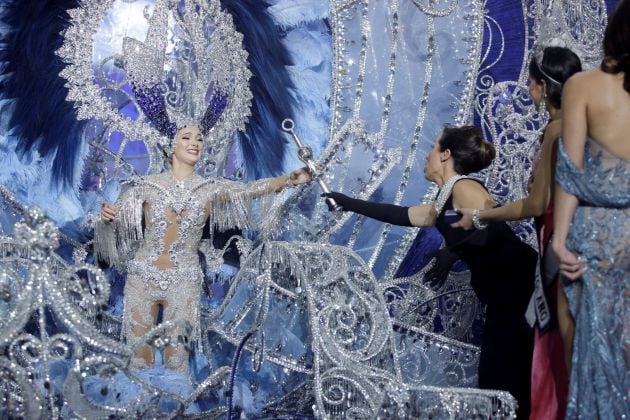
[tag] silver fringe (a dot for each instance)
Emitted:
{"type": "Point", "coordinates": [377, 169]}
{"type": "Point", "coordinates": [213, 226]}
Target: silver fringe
{"type": "Point", "coordinates": [115, 241]}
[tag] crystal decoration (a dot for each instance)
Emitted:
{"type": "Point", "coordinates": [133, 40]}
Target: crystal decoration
{"type": "Point", "coordinates": [367, 342]}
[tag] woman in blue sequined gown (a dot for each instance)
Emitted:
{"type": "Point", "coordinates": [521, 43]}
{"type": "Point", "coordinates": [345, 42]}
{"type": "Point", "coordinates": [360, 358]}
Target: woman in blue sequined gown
{"type": "Point", "coordinates": [592, 221]}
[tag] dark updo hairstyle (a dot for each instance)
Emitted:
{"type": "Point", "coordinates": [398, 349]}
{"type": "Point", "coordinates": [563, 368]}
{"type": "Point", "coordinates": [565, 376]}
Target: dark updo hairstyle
{"type": "Point", "coordinates": [555, 68]}
{"type": "Point", "coordinates": [617, 43]}
{"type": "Point", "coordinates": [470, 152]}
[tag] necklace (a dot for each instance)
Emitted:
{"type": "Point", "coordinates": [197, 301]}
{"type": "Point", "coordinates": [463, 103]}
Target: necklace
{"type": "Point", "coordinates": [180, 193]}
{"type": "Point", "coordinates": [445, 192]}
{"type": "Point", "coordinates": [183, 181]}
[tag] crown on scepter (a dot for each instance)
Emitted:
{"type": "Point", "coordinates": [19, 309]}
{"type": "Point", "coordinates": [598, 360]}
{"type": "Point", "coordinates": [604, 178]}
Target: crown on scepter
{"type": "Point", "coordinates": [305, 154]}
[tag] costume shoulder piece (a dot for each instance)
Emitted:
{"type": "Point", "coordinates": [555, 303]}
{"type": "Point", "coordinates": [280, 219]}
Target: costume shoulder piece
{"type": "Point", "coordinates": [114, 241]}
{"type": "Point", "coordinates": [232, 202]}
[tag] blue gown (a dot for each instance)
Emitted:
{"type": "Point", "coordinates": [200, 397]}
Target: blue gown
{"type": "Point", "coordinates": [600, 300]}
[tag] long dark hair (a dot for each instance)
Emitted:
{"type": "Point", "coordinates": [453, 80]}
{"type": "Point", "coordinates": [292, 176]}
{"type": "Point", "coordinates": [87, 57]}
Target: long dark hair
{"type": "Point", "coordinates": [617, 43]}
{"type": "Point", "coordinates": [555, 68]}
{"type": "Point", "coordinates": [470, 151]}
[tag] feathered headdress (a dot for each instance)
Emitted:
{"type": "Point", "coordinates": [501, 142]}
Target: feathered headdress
{"type": "Point", "coordinates": [190, 69]}
{"type": "Point", "coordinates": [174, 96]}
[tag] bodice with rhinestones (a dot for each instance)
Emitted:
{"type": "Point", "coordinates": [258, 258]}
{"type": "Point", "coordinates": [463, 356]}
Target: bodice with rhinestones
{"type": "Point", "coordinates": [160, 219]}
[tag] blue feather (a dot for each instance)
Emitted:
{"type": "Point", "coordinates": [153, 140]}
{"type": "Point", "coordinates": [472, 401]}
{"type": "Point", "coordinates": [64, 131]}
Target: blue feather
{"type": "Point", "coordinates": [263, 144]}
{"type": "Point", "coordinates": [40, 116]}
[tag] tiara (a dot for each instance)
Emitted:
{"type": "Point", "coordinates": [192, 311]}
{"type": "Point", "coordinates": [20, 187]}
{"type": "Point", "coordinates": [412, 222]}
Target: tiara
{"type": "Point", "coordinates": [538, 54]}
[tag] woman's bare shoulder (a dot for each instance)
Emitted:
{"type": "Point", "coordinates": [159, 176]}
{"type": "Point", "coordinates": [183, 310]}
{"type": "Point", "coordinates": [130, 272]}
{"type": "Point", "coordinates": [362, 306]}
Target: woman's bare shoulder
{"type": "Point", "coordinates": [591, 79]}
{"type": "Point", "coordinates": [468, 187]}
{"type": "Point", "coordinates": [468, 193]}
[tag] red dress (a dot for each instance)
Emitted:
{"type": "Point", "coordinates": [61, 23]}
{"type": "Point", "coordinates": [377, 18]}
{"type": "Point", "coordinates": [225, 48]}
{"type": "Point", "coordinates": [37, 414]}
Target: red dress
{"type": "Point", "coordinates": [550, 380]}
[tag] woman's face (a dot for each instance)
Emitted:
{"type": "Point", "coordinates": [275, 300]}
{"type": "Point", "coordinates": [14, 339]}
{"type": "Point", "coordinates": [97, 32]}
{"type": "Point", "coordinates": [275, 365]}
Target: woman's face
{"type": "Point", "coordinates": [535, 90]}
{"type": "Point", "coordinates": [433, 162]}
{"type": "Point", "coordinates": [188, 145]}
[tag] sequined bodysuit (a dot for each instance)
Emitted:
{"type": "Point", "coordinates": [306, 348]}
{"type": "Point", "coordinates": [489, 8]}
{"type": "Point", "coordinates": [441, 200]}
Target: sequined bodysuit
{"type": "Point", "coordinates": [161, 260]}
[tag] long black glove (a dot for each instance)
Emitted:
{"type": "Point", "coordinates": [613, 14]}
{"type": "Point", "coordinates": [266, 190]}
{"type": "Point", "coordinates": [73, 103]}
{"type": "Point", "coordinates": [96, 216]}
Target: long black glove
{"type": "Point", "coordinates": [444, 260]}
{"type": "Point", "coordinates": [388, 213]}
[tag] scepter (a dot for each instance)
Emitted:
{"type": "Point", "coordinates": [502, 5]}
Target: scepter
{"type": "Point", "coordinates": [305, 154]}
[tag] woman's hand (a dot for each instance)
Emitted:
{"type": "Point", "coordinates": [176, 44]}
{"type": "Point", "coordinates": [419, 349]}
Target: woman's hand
{"type": "Point", "coordinates": [342, 200]}
{"type": "Point", "coordinates": [466, 221]}
{"type": "Point", "coordinates": [571, 267]}
{"type": "Point", "coordinates": [108, 212]}
{"type": "Point", "coordinates": [300, 176]}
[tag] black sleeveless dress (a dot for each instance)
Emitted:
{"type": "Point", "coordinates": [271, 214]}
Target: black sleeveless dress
{"type": "Point", "coordinates": [502, 271]}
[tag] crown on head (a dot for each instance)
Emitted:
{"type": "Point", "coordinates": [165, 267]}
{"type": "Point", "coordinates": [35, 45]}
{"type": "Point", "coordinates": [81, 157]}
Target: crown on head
{"type": "Point", "coordinates": [538, 53]}
{"type": "Point", "coordinates": [174, 83]}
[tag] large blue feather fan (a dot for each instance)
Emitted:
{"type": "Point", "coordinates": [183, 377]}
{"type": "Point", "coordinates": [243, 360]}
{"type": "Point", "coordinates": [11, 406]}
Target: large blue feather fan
{"type": "Point", "coordinates": [263, 144]}
{"type": "Point", "coordinates": [32, 91]}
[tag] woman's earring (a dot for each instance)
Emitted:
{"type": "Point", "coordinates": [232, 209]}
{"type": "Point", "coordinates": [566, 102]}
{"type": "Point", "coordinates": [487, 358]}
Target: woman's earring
{"type": "Point", "coordinates": [542, 108]}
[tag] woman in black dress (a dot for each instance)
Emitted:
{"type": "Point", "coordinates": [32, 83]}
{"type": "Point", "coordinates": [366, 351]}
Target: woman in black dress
{"type": "Point", "coordinates": [502, 267]}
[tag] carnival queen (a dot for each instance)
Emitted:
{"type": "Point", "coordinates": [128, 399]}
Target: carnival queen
{"type": "Point", "coordinates": [153, 232]}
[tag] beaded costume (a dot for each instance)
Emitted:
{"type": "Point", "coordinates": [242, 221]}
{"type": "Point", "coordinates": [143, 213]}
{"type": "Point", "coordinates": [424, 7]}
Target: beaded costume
{"type": "Point", "coordinates": [192, 82]}
{"type": "Point", "coordinates": [599, 300]}
{"type": "Point", "coordinates": [331, 348]}
{"type": "Point", "coordinates": [162, 262]}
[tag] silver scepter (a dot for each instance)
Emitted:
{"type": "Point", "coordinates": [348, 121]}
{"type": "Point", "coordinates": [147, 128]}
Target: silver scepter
{"type": "Point", "coordinates": [305, 154]}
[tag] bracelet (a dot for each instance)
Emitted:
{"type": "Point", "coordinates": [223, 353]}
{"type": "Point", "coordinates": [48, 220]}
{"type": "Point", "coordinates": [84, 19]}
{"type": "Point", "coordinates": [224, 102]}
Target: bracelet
{"type": "Point", "coordinates": [476, 222]}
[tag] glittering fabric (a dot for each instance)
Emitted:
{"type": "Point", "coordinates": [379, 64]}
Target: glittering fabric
{"type": "Point", "coordinates": [162, 260]}
{"type": "Point", "coordinates": [153, 105]}
{"type": "Point", "coordinates": [599, 301]}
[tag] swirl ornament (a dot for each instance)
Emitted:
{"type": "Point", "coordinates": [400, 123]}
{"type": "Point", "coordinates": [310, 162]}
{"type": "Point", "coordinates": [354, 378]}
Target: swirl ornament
{"type": "Point", "coordinates": [37, 284]}
{"type": "Point", "coordinates": [352, 347]}
{"type": "Point", "coordinates": [326, 318]}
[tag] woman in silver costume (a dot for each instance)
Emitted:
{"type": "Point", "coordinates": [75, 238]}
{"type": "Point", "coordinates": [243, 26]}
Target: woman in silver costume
{"type": "Point", "coordinates": [153, 231]}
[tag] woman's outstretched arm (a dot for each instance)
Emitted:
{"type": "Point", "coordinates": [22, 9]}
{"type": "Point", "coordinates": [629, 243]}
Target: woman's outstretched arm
{"type": "Point", "coordinates": [465, 192]}
{"type": "Point", "coordinates": [418, 216]}
{"type": "Point", "coordinates": [269, 185]}
{"type": "Point", "coordinates": [538, 198]}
